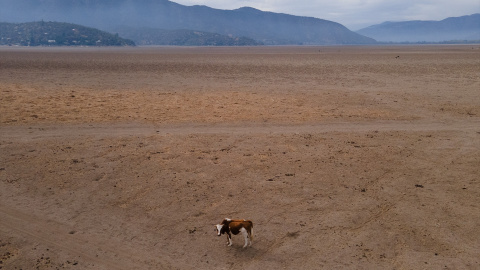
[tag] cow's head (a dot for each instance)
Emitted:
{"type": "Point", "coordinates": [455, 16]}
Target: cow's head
{"type": "Point", "coordinates": [222, 227]}
{"type": "Point", "coordinates": [219, 229]}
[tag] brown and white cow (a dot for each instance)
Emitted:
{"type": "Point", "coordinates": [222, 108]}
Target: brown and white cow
{"type": "Point", "coordinates": [235, 226]}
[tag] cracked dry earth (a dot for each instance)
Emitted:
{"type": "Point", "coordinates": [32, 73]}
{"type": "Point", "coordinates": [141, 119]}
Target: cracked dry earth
{"type": "Point", "coordinates": [343, 157]}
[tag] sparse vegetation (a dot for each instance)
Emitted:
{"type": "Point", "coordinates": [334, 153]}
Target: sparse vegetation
{"type": "Point", "coordinates": [57, 34]}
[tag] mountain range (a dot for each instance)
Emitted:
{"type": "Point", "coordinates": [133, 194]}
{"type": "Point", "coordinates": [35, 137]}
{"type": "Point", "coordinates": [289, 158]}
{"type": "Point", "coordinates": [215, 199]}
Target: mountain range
{"type": "Point", "coordinates": [449, 29]}
{"type": "Point", "coordinates": [162, 22]}
{"type": "Point", "coordinates": [121, 16]}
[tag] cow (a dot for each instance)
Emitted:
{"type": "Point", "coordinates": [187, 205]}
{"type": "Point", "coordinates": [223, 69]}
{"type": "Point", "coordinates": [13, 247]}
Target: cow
{"type": "Point", "coordinates": [235, 226]}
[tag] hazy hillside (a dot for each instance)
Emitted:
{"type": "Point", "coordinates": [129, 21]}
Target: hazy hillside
{"type": "Point", "coordinates": [455, 28]}
{"type": "Point", "coordinates": [57, 34]}
{"type": "Point", "coordinates": [265, 27]}
{"type": "Point", "coordinates": [152, 36]}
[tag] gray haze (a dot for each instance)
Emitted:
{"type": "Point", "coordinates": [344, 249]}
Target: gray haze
{"type": "Point", "coordinates": [128, 16]}
{"type": "Point", "coordinates": [118, 15]}
{"type": "Point", "coordinates": [355, 14]}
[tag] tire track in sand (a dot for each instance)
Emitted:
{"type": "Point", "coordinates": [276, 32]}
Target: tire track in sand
{"type": "Point", "coordinates": [36, 132]}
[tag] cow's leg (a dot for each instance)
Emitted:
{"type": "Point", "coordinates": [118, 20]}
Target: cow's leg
{"type": "Point", "coordinates": [245, 236]}
{"type": "Point", "coordinates": [250, 236]}
{"type": "Point", "coordinates": [229, 237]}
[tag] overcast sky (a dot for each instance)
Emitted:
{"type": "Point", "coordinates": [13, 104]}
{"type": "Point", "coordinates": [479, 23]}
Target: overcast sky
{"type": "Point", "coordinates": [354, 14]}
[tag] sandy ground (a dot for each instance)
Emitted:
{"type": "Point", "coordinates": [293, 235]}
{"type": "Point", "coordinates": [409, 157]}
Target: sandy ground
{"type": "Point", "coordinates": [343, 157]}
